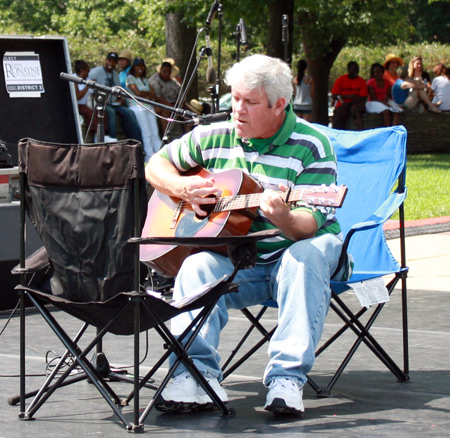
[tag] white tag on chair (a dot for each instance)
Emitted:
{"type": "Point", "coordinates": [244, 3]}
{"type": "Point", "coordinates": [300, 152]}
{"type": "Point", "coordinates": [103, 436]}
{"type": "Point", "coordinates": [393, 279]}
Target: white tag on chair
{"type": "Point", "coordinates": [371, 292]}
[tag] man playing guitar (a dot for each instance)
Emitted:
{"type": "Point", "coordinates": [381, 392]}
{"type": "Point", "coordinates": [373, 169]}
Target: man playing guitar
{"type": "Point", "coordinates": [266, 141]}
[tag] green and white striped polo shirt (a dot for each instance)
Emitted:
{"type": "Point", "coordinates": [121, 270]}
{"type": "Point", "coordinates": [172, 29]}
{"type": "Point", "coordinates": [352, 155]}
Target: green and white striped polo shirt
{"type": "Point", "coordinates": [298, 155]}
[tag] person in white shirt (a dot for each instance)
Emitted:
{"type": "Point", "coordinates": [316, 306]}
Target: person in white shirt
{"type": "Point", "coordinates": [302, 101]}
{"type": "Point", "coordinates": [138, 84]}
{"type": "Point", "coordinates": [440, 87]}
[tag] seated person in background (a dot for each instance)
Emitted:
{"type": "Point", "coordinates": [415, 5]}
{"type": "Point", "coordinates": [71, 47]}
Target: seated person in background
{"type": "Point", "coordinates": [441, 87]}
{"type": "Point", "coordinates": [408, 92]}
{"type": "Point", "coordinates": [137, 84]}
{"type": "Point", "coordinates": [166, 88]}
{"type": "Point", "coordinates": [379, 95]}
{"type": "Point", "coordinates": [416, 72]}
{"type": "Point", "coordinates": [302, 101]}
{"type": "Point", "coordinates": [350, 93]}
{"type": "Point", "coordinates": [293, 269]}
{"type": "Point", "coordinates": [124, 64]}
{"type": "Point", "coordinates": [83, 93]}
{"type": "Point", "coordinates": [391, 65]}
{"type": "Point", "coordinates": [106, 75]}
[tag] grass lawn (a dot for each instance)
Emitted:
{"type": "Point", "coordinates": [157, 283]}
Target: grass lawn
{"type": "Point", "coordinates": [428, 181]}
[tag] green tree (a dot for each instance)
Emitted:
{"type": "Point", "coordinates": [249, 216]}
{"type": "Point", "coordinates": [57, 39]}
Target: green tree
{"type": "Point", "coordinates": [430, 21]}
{"type": "Point", "coordinates": [318, 29]}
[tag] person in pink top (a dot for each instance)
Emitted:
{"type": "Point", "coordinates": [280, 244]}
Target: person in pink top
{"type": "Point", "coordinates": [379, 90]}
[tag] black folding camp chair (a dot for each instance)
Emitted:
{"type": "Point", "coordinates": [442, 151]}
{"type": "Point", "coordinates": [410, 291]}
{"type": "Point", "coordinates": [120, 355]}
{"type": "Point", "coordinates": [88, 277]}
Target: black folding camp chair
{"type": "Point", "coordinates": [371, 164]}
{"type": "Point", "coordinates": [87, 203]}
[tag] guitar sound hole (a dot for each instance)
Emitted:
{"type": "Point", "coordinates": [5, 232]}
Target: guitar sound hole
{"type": "Point", "coordinates": [207, 208]}
{"type": "Point", "coordinates": [190, 224]}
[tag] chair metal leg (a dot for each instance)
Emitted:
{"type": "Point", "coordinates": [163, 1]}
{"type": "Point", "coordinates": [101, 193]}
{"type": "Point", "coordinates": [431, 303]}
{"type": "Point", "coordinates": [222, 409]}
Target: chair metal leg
{"type": "Point", "coordinates": [180, 349]}
{"type": "Point", "coordinates": [363, 335]}
{"type": "Point", "coordinates": [254, 320]}
{"type": "Point", "coordinates": [137, 426]}
{"type": "Point", "coordinates": [22, 355]}
{"type": "Point", "coordinates": [249, 353]}
{"type": "Point", "coordinates": [351, 321]}
{"type": "Point", "coordinates": [38, 393]}
{"type": "Point", "coordinates": [79, 356]}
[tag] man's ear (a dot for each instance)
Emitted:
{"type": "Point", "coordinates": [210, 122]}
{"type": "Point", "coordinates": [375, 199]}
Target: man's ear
{"type": "Point", "coordinates": [279, 106]}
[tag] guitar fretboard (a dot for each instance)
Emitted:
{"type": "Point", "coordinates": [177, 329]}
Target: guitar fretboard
{"type": "Point", "coordinates": [330, 196]}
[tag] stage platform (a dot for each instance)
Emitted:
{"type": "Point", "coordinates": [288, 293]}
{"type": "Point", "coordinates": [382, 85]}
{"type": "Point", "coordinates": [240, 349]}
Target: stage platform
{"type": "Point", "coordinates": [366, 402]}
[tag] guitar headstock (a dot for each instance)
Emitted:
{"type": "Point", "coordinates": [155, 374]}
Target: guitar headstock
{"type": "Point", "coordinates": [325, 196]}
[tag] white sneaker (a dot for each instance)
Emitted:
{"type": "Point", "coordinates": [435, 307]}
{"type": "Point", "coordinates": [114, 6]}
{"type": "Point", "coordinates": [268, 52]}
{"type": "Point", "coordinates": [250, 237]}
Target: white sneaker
{"type": "Point", "coordinates": [185, 394]}
{"type": "Point", "coordinates": [284, 397]}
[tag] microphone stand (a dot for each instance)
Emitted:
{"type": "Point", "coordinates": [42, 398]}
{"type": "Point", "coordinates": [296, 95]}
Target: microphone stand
{"type": "Point", "coordinates": [238, 42]}
{"type": "Point", "coordinates": [285, 37]}
{"type": "Point", "coordinates": [204, 52]}
{"type": "Point", "coordinates": [100, 103]}
{"type": "Point", "coordinates": [195, 119]}
{"type": "Point", "coordinates": [219, 58]}
{"type": "Point", "coordinates": [117, 91]}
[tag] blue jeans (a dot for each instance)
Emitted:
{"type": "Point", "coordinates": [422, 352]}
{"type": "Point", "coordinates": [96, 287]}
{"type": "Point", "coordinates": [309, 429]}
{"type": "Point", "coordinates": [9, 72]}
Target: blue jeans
{"type": "Point", "coordinates": [127, 119]}
{"type": "Point", "coordinates": [300, 284]}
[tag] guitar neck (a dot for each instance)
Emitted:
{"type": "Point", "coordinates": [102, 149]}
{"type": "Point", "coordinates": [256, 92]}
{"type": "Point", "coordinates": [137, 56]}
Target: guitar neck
{"type": "Point", "coordinates": [331, 196]}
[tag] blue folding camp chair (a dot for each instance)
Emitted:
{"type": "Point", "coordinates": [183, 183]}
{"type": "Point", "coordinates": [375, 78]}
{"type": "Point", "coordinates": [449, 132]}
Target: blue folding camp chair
{"type": "Point", "coordinates": [370, 163]}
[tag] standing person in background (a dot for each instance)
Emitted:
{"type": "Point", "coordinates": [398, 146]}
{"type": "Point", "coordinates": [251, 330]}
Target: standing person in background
{"type": "Point", "coordinates": [138, 84]}
{"type": "Point", "coordinates": [379, 96]}
{"type": "Point", "coordinates": [349, 94]}
{"type": "Point", "coordinates": [441, 87]}
{"type": "Point", "coordinates": [302, 102]}
{"type": "Point", "coordinates": [124, 64]}
{"type": "Point", "coordinates": [391, 65]}
{"type": "Point", "coordinates": [106, 75]}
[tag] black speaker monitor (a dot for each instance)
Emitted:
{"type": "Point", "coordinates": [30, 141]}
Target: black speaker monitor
{"type": "Point", "coordinates": [35, 102]}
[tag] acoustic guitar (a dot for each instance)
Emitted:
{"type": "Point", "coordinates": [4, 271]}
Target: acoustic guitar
{"type": "Point", "coordinates": [231, 215]}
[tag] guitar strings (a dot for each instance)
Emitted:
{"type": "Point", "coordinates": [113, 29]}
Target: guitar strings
{"type": "Point", "coordinates": [235, 202]}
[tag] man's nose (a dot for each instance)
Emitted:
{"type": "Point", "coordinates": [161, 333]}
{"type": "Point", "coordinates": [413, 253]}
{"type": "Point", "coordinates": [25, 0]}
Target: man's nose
{"type": "Point", "coordinates": [239, 107]}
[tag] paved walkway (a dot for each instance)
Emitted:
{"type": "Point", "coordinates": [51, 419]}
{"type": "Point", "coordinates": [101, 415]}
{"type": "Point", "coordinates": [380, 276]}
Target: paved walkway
{"type": "Point", "coordinates": [427, 253]}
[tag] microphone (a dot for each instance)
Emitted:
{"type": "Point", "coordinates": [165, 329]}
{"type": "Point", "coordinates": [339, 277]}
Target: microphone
{"type": "Point", "coordinates": [210, 72]}
{"type": "Point", "coordinates": [212, 12]}
{"type": "Point", "coordinates": [71, 78]}
{"type": "Point", "coordinates": [243, 30]}
{"type": "Point", "coordinates": [88, 82]}
{"type": "Point", "coordinates": [209, 118]}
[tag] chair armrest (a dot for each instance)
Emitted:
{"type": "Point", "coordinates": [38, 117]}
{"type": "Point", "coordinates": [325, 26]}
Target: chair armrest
{"type": "Point", "coordinates": [379, 217]}
{"type": "Point", "coordinates": [212, 241]}
{"type": "Point", "coordinates": [34, 263]}
{"type": "Point", "coordinates": [384, 212]}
